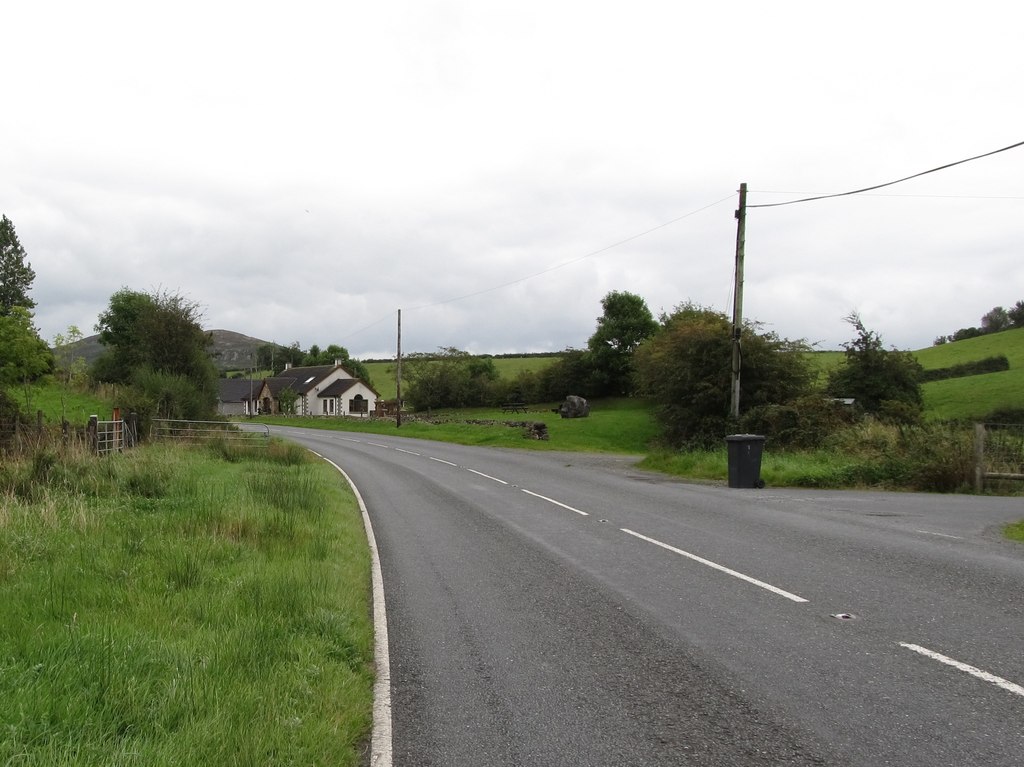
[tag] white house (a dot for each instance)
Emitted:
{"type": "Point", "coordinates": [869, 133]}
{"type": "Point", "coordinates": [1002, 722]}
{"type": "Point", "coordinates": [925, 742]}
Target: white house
{"type": "Point", "coordinates": [325, 390]}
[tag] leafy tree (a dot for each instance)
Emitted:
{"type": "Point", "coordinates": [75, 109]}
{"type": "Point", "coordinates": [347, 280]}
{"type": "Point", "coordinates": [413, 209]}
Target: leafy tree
{"type": "Point", "coordinates": [883, 382]}
{"type": "Point", "coordinates": [286, 401]}
{"type": "Point", "coordinates": [159, 333]}
{"type": "Point", "coordinates": [964, 333]}
{"type": "Point", "coordinates": [450, 378]}
{"type": "Point", "coordinates": [274, 357]}
{"type": "Point", "coordinates": [572, 373]}
{"type": "Point", "coordinates": [334, 353]}
{"type": "Point", "coordinates": [72, 367]}
{"type": "Point", "coordinates": [24, 356]}
{"type": "Point", "coordinates": [16, 273]}
{"type": "Point", "coordinates": [1016, 315]}
{"type": "Point", "coordinates": [996, 320]}
{"type": "Point", "coordinates": [686, 368]}
{"type": "Point", "coordinates": [624, 325]}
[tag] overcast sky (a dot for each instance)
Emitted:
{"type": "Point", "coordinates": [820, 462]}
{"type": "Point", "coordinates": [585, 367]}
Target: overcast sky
{"type": "Point", "coordinates": [303, 170]}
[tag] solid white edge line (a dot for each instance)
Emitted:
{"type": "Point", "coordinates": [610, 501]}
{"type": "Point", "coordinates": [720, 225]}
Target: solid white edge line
{"type": "Point", "coordinates": [998, 681]}
{"type": "Point", "coordinates": [380, 740]}
{"type": "Point", "coordinates": [552, 500]}
{"type": "Point", "coordinates": [441, 460]}
{"type": "Point", "coordinates": [716, 566]}
{"type": "Point", "coordinates": [487, 476]}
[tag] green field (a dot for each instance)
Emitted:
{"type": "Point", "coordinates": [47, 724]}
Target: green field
{"type": "Point", "coordinates": [382, 374]}
{"type": "Point", "coordinates": [614, 426]}
{"type": "Point", "coordinates": [974, 397]}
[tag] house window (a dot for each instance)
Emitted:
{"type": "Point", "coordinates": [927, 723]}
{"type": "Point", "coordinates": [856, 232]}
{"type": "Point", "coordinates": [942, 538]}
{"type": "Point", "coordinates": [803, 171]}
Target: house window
{"type": "Point", "coordinates": [358, 404]}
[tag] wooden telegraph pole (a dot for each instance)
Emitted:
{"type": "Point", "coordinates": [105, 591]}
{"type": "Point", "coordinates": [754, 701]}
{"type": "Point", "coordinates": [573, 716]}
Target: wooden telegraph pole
{"type": "Point", "coordinates": [398, 376]}
{"type": "Point", "coordinates": [737, 304]}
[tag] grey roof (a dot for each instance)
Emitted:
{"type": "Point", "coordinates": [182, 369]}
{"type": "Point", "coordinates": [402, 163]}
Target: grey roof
{"type": "Point", "coordinates": [299, 380]}
{"type": "Point", "coordinates": [339, 387]}
{"type": "Point", "coordinates": [236, 389]}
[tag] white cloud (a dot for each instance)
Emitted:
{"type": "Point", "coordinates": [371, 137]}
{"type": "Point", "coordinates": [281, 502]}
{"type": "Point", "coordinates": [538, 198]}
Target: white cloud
{"type": "Point", "coordinates": [304, 171]}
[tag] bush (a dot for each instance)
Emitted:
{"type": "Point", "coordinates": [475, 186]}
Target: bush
{"type": "Point", "coordinates": [931, 458]}
{"type": "Point", "coordinates": [805, 423]}
{"type": "Point", "coordinates": [994, 364]}
{"type": "Point", "coordinates": [686, 369]}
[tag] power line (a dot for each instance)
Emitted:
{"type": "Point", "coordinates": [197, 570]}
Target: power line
{"type": "Point", "coordinates": [908, 196]}
{"type": "Point", "coordinates": [888, 183]}
{"type": "Point", "coordinates": [575, 260]}
{"type": "Point", "coordinates": [562, 265]}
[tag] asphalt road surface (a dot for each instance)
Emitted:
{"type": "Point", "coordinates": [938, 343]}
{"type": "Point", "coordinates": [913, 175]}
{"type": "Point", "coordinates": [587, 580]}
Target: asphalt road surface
{"type": "Point", "coordinates": [568, 609]}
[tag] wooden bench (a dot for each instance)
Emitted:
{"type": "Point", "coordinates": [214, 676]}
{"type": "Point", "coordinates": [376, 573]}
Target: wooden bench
{"type": "Point", "coordinates": [513, 407]}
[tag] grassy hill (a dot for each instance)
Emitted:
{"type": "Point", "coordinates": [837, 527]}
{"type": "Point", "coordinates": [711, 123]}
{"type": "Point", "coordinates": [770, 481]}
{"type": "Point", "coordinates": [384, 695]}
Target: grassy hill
{"type": "Point", "coordinates": [975, 397]}
{"type": "Point", "coordinates": [969, 398]}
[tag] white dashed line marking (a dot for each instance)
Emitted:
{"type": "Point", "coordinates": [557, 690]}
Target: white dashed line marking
{"type": "Point", "coordinates": [487, 476]}
{"type": "Point", "coordinates": [941, 535]}
{"type": "Point", "coordinates": [716, 566]}
{"type": "Point", "coordinates": [410, 452]}
{"type": "Point", "coordinates": [557, 503]}
{"type": "Point", "coordinates": [439, 460]}
{"type": "Point", "coordinates": [998, 681]}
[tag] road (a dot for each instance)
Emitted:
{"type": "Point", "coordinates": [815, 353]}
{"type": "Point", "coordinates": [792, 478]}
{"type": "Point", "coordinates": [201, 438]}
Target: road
{"type": "Point", "coordinates": [566, 609]}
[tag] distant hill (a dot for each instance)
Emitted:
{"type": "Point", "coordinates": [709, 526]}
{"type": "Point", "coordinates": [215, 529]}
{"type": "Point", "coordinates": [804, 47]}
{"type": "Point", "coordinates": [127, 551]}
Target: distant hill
{"type": "Point", "coordinates": [231, 350]}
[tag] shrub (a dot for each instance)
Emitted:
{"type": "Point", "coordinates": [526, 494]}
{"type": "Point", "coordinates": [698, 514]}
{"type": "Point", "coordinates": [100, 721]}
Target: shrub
{"type": "Point", "coordinates": [994, 364]}
{"type": "Point", "coordinates": [805, 423]}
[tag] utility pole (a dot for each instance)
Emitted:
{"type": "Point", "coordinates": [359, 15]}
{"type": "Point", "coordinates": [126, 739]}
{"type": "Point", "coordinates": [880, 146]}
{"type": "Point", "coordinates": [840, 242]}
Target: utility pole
{"type": "Point", "coordinates": [398, 376]}
{"type": "Point", "coordinates": [737, 304]}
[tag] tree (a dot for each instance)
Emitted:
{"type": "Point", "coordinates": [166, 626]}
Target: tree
{"type": "Point", "coordinates": [332, 354]}
{"type": "Point", "coordinates": [450, 378]}
{"type": "Point", "coordinates": [72, 367]}
{"type": "Point", "coordinates": [274, 357]}
{"type": "Point", "coordinates": [996, 320]}
{"type": "Point", "coordinates": [16, 273]}
{"type": "Point", "coordinates": [686, 368]}
{"type": "Point", "coordinates": [158, 333]}
{"type": "Point", "coordinates": [1016, 315]}
{"type": "Point", "coordinates": [881, 382]}
{"type": "Point", "coordinates": [624, 325]}
{"type": "Point", "coordinates": [24, 356]}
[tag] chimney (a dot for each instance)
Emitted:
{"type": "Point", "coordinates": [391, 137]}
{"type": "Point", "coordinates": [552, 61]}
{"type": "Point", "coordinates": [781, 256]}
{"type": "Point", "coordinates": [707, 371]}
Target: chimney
{"type": "Point", "coordinates": [337, 363]}
{"type": "Point", "coordinates": [287, 366]}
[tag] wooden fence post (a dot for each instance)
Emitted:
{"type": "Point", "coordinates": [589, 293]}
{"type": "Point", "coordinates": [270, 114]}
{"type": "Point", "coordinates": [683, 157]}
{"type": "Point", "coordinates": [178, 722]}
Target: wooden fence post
{"type": "Point", "coordinates": [979, 457]}
{"type": "Point", "coordinates": [92, 433]}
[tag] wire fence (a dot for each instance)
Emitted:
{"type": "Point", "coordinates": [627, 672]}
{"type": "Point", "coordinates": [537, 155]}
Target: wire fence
{"type": "Point", "coordinates": [201, 431]}
{"type": "Point", "coordinates": [998, 453]}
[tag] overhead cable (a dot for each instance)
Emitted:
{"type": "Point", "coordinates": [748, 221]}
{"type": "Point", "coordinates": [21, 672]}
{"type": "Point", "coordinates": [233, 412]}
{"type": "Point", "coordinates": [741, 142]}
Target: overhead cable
{"type": "Point", "coordinates": [888, 183]}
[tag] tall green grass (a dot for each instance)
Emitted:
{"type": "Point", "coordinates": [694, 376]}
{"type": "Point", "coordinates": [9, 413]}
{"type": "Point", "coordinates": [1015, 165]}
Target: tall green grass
{"type": "Point", "coordinates": [167, 607]}
{"type": "Point", "coordinates": [58, 401]}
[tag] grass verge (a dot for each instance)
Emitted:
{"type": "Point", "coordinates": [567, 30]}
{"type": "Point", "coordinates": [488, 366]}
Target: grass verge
{"type": "Point", "coordinates": [177, 605]}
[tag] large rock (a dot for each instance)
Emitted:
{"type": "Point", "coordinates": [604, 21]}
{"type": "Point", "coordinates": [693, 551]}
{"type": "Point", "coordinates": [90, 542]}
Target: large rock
{"type": "Point", "coordinates": [574, 407]}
